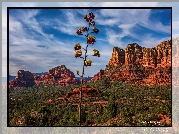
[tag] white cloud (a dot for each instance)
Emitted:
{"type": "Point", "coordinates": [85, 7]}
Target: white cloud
{"type": "Point", "coordinates": [78, 4]}
{"type": "Point", "coordinates": [175, 28]}
{"type": "Point", "coordinates": [113, 38]}
{"type": "Point", "coordinates": [68, 27]}
{"type": "Point", "coordinates": [71, 23]}
{"type": "Point", "coordinates": [60, 57]}
{"type": "Point", "coordinates": [126, 29]}
{"type": "Point", "coordinates": [129, 4]}
{"type": "Point", "coordinates": [131, 17]}
{"type": "Point", "coordinates": [109, 22]}
{"type": "Point", "coordinates": [149, 41]}
{"type": "Point", "coordinates": [175, 25]}
{"type": "Point", "coordinates": [28, 17]}
{"type": "Point", "coordinates": [126, 20]}
{"type": "Point", "coordinates": [4, 29]}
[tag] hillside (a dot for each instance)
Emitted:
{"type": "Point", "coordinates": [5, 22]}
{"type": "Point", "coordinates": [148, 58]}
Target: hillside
{"type": "Point", "coordinates": [133, 90]}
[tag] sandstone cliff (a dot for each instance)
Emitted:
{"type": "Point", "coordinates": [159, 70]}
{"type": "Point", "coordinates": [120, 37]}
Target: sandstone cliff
{"type": "Point", "coordinates": [118, 57]}
{"type": "Point", "coordinates": [144, 66]}
{"type": "Point", "coordinates": [135, 54]}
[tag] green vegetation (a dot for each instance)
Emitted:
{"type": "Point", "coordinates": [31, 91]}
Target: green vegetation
{"type": "Point", "coordinates": [127, 106]}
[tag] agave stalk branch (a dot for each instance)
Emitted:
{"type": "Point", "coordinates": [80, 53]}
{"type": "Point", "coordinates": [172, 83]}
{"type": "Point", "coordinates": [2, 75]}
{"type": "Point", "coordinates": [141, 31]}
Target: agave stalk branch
{"type": "Point", "coordinates": [86, 50]}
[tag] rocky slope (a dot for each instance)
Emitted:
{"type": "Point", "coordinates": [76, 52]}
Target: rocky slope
{"type": "Point", "coordinates": [58, 76]}
{"type": "Point", "coordinates": [143, 66]}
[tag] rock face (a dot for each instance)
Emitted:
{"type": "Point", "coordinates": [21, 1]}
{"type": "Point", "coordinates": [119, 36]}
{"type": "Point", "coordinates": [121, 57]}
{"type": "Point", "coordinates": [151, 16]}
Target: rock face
{"type": "Point", "coordinates": [161, 54]}
{"type": "Point", "coordinates": [23, 79]}
{"type": "Point", "coordinates": [138, 64]}
{"type": "Point", "coordinates": [58, 76]}
{"type": "Point", "coordinates": [118, 57]}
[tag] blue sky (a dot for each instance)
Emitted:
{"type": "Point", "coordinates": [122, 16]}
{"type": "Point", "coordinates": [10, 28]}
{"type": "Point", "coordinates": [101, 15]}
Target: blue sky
{"type": "Point", "coordinates": [42, 39]}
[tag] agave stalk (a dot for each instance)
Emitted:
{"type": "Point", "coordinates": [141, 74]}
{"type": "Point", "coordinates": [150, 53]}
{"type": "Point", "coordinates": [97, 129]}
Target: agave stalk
{"type": "Point", "coordinates": [89, 40]}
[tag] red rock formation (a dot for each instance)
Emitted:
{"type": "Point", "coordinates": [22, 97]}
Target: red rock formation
{"type": "Point", "coordinates": [23, 79]}
{"type": "Point", "coordinates": [118, 57]}
{"type": "Point", "coordinates": [140, 64]}
{"type": "Point", "coordinates": [133, 54]}
{"type": "Point", "coordinates": [58, 76]}
{"type": "Point", "coordinates": [86, 90]}
{"type": "Point", "coordinates": [103, 103]}
{"type": "Point", "coordinates": [125, 73]}
{"type": "Point", "coordinates": [161, 76]}
{"type": "Point", "coordinates": [161, 54]}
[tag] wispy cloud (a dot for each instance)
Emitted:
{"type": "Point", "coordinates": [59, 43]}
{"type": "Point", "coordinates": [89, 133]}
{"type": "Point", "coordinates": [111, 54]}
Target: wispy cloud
{"type": "Point", "coordinates": [28, 32]}
{"type": "Point", "coordinates": [71, 22]}
{"type": "Point", "coordinates": [4, 30]}
{"type": "Point", "coordinates": [150, 41]}
{"type": "Point", "coordinates": [132, 17]}
{"type": "Point", "coordinates": [129, 4]}
{"type": "Point", "coordinates": [126, 21]}
{"type": "Point", "coordinates": [31, 40]}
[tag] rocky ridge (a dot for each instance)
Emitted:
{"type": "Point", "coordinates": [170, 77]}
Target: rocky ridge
{"type": "Point", "coordinates": [144, 66]}
{"type": "Point", "coordinates": [58, 76]}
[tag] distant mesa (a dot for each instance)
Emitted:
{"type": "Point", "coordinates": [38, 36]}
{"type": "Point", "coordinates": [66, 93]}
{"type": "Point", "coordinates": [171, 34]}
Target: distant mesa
{"type": "Point", "coordinates": [22, 79]}
{"type": "Point", "coordinates": [58, 76]}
